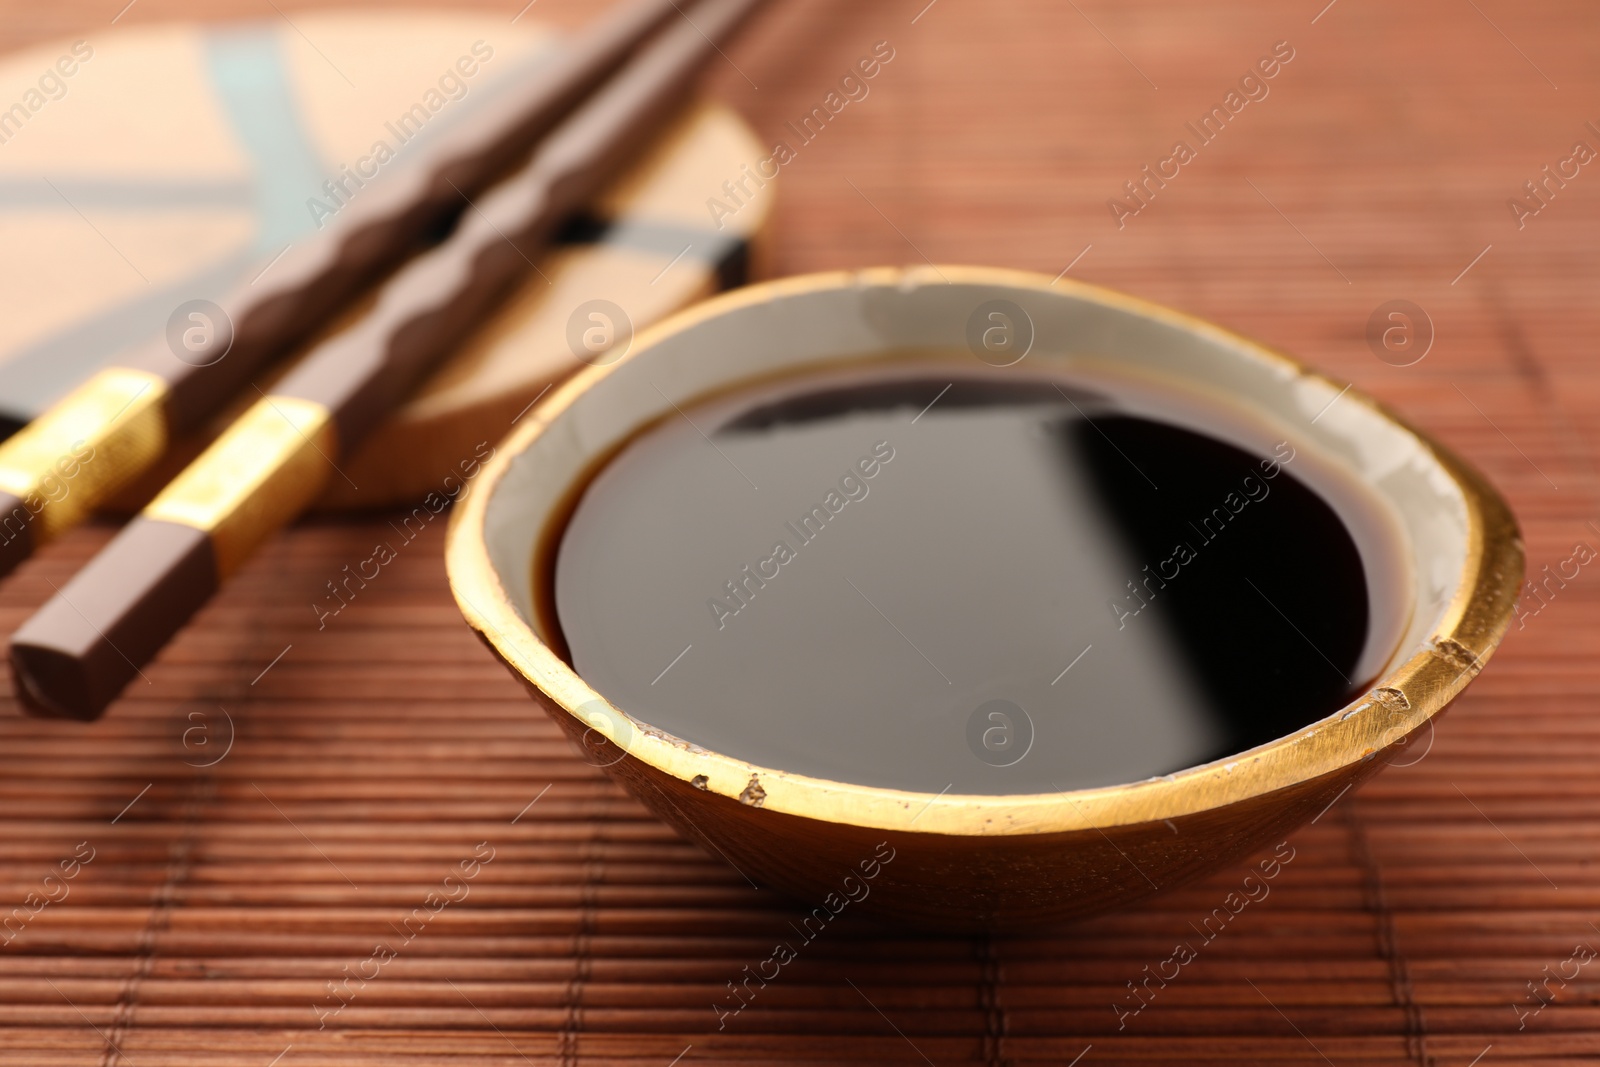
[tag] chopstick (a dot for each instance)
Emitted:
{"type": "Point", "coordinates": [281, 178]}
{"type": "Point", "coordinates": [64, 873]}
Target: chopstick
{"type": "Point", "coordinates": [118, 423]}
{"type": "Point", "coordinates": [74, 655]}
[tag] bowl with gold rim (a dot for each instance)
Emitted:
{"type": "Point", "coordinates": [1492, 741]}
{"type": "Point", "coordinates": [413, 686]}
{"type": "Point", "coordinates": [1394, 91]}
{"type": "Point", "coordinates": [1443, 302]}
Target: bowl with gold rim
{"type": "Point", "coordinates": [881, 587]}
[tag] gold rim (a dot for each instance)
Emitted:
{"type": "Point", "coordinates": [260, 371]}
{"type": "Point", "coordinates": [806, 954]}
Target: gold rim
{"type": "Point", "coordinates": [1401, 702]}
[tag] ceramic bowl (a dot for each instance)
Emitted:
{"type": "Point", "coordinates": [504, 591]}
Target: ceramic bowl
{"type": "Point", "coordinates": [984, 862]}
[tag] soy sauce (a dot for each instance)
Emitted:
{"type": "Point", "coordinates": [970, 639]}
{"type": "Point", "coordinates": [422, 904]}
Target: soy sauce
{"type": "Point", "coordinates": [998, 583]}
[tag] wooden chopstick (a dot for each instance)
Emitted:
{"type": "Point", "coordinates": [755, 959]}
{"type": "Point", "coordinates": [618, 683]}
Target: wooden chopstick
{"type": "Point", "coordinates": [74, 655]}
{"type": "Point", "coordinates": [124, 416]}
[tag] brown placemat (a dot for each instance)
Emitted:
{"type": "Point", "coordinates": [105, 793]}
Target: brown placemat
{"type": "Point", "coordinates": [375, 755]}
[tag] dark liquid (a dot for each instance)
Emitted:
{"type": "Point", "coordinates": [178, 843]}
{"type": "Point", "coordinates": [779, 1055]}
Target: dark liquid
{"type": "Point", "coordinates": [1029, 586]}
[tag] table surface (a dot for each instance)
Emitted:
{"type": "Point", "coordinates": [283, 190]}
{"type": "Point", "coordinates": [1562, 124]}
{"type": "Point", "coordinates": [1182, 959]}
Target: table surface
{"type": "Point", "coordinates": [1444, 913]}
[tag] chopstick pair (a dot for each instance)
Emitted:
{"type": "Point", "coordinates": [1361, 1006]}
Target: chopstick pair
{"type": "Point", "coordinates": [74, 655]}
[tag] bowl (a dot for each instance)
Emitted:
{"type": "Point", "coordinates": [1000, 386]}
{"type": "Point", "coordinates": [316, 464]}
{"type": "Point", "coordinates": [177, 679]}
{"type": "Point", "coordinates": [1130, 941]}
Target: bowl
{"type": "Point", "coordinates": [975, 862]}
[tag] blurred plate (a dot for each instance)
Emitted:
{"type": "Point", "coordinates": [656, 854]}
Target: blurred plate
{"type": "Point", "coordinates": [160, 164]}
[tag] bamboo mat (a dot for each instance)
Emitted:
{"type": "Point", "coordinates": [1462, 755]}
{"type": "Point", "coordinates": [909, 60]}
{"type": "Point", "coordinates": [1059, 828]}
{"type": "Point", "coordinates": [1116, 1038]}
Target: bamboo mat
{"type": "Point", "coordinates": [226, 907]}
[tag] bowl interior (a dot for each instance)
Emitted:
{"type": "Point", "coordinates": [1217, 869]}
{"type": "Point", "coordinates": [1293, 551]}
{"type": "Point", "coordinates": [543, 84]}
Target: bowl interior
{"type": "Point", "coordinates": [785, 326]}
